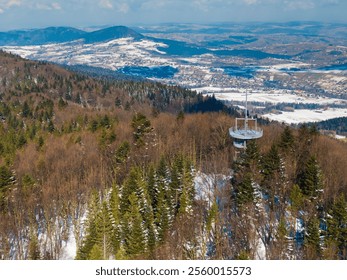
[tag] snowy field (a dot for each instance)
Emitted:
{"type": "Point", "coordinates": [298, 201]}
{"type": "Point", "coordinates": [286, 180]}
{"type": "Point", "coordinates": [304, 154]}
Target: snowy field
{"type": "Point", "coordinates": [281, 96]}
{"type": "Point", "coordinates": [273, 96]}
{"type": "Point", "coordinates": [301, 116]}
{"type": "Point", "coordinates": [111, 55]}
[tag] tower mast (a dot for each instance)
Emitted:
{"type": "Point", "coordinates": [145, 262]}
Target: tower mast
{"type": "Point", "coordinates": [248, 131]}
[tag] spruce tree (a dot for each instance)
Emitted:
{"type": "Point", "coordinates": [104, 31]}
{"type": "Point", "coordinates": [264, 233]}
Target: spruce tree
{"type": "Point", "coordinates": [141, 126]}
{"type": "Point", "coordinates": [273, 180]}
{"type": "Point", "coordinates": [310, 179]}
{"type": "Point", "coordinates": [26, 112]}
{"type": "Point", "coordinates": [96, 253]}
{"type": "Point", "coordinates": [312, 239]}
{"type": "Point", "coordinates": [34, 247]}
{"type": "Point", "coordinates": [130, 186]}
{"type": "Point", "coordinates": [104, 231]}
{"type": "Point", "coordinates": [296, 198]}
{"type": "Point", "coordinates": [115, 219]}
{"type": "Point", "coordinates": [188, 189]}
{"type": "Point", "coordinates": [162, 218]}
{"type": "Point", "coordinates": [337, 226]}
{"type": "Point", "coordinates": [175, 189]}
{"type": "Point", "coordinates": [287, 140]}
{"type": "Point", "coordinates": [252, 156]}
{"type": "Point", "coordinates": [135, 239]}
{"type": "Point", "coordinates": [245, 191]}
{"type": "Point", "coordinates": [91, 235]}
{"type": "Point", "coordinates": [271, 163]}
{"type": "Point", "coordinates": [152, 188]}
{"type": "Point", "coordinates": [122, 152]}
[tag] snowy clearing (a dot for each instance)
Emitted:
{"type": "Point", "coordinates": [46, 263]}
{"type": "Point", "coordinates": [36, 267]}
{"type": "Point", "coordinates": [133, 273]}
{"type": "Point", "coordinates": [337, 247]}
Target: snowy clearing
{"type": "Point", "coordinates": [301, 116]}
{"type": "Point", "coordinates": [273, 96]}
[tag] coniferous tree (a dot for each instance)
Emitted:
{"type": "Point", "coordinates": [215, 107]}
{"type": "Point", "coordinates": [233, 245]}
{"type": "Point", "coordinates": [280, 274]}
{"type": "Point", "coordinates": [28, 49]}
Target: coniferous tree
{"type": "Point", "coordinates": [141, 126]}
{"type": "Point", "coordinates": [130, 186]}
{"type": "Point", "coordinates": [310, 179]}
{"type": "Point", "coordinates": [271, 164]}
{"type": "Point", "coordinates": [162, 218]}
{"type": "Point", "coordinates": [34, 246]}
{"type": "Point", "coordinates": [135, 240]}
{"type": "Point", "coordinates": [273, 181]}
{"type": "Point", "coordinates": [248, 161]}
{"type": "Point", "coordinates": [6, 177]}
{"type": "Point", "coordinates": [114, 202]}
{"type": "Point", "coordinates": [312, 239]}
{"type": "Point", "coordinates": [337, 227]}
{"type": "Point", "coordinates": [296, 198]}
{"type": "Point", "coordinates": [175, 187]}
{"type": "Point", "coordinates": [50, 126]}
{"type": "Point", "coordinates": [245, 191]}
{"type": "Point", "coordinates": [91, 235]}
{"type": "Point", "coordinates": [281, 240]}
{"type": "Point", "coordinates": [152, 188]}
{"type": "Point", "coordinates": [212, 229]}
{"type": "Point", "coordinates": [287, 140]}
{"type": "Point", "coordinates": [26, 112]}
{"type": "Point", "coordinates": [104, 231]}
{"type": "Point", "coordinates": [122, 152]}
{"type": "Point", "coordinates": [187, 192]}
{"type": "Point", "coordinates": [96, 253]}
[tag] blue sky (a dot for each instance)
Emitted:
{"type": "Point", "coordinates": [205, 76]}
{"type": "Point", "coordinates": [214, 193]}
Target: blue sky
{"type": "Point", "coordinates": [19, 14]}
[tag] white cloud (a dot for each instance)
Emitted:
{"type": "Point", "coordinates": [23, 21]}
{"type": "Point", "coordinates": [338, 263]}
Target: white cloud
{"type": "Point", "coordinates": [154, 4]}
{"type": "Point", "coordinates": [201, 4]}
{"type": "Point", "coordinates": [333, 2]}
{"type": "Point", "coordinates": [123, 8]}
{"type": "Point", "coordinates": [48, 7]}
{"type": "Point", "coordinates": [7, 4]}
{"type": "Point", "coordinates": [12, 3]}
{"type": "Point", "coordinates": [299, 4]}
{"type": "Point", "coordinates": [31, 4]}
{"type": "Point", "coordinates": [107, 4]}
{"type": "Point", "coordinates": [251, 2]}
{"type": "Point", "coordinates": [56, 6]}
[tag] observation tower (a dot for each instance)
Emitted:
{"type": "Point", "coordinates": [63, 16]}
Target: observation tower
{"type": "Point", "coordinates": [245, 129]}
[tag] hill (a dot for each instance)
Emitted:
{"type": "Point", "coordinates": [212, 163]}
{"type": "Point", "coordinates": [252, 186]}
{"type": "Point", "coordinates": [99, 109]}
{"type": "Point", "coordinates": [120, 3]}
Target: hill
{"type": "Point", "coordinates": [111, 33]}
{"type": "Point", "coordinates": [99, 169]}
{"type": "Point", "coordinates": [53, 35]}
{"type": "Point", "coordinates": [339, 125]}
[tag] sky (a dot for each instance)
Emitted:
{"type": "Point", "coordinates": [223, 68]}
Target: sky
{"type": "Point", "coordinates": [27, 14]}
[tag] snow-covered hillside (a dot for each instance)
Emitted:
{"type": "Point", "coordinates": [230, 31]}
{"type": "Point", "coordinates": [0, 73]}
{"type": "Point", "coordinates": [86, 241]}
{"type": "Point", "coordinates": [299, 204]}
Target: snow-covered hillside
{"type": "Point", "coordinates": [112, 55]}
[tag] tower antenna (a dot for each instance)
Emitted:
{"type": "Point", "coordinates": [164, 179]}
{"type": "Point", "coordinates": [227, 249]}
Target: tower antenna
{"type": "Point", "coordinates": [245, 129]}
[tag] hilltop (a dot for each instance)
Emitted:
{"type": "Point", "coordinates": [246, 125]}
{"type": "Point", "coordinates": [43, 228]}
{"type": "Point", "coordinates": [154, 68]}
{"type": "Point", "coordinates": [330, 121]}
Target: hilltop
{"type": "Point", "coordinates": [51, 35]}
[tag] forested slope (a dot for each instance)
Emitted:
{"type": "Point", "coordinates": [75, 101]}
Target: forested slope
{"type": "Point", "coordinates": [123, 170]}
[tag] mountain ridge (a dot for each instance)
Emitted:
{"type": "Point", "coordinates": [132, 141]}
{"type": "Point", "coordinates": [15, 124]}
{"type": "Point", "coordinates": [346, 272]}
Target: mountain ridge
{"type": "Point", "coordinates": [62, 34]}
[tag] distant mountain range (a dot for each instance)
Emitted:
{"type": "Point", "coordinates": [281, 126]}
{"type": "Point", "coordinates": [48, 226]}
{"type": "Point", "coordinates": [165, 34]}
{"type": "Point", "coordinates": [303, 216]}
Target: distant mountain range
{"type": "Point", "coordinates": [53, 35]}
{"type": "Point", "coordinates": [253, 55]}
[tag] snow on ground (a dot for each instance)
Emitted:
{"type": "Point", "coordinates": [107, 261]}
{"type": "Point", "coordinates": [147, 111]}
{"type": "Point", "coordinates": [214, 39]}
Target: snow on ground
{"type": "Point", "coordinates": [302, 116]}
{"type": "Point", "coordinates": [281, 66]}
{"type": "Point", "coordinates": [69, 248]}
{"type": "Point", "coordinates": [112, 55]}
{"type": "Point", "coordinates": [340, 137]}
{"type": "Point", "coordinates": [204, 187]}
{"type": "Point", "coordinates": [208, 186]}
{"type": "Point", "coordinates": [261, 250]}
{"type": "Point", "coordinates": [273, 96]}
{"type": "Point", "coordinates": [281, 96]}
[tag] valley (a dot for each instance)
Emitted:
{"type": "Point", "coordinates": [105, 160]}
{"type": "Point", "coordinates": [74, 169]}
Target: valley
{"type": "Point", "coordinates": [301, 65]}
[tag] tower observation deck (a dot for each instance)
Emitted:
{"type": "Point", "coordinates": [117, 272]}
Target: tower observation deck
{"type": "Point", "coordinates": [245, 129]}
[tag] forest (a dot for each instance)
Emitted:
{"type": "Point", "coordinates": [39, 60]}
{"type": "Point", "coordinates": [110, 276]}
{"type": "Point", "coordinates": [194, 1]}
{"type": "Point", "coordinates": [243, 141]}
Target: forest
{"type": "Point", "coordinates": [119, 169]}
